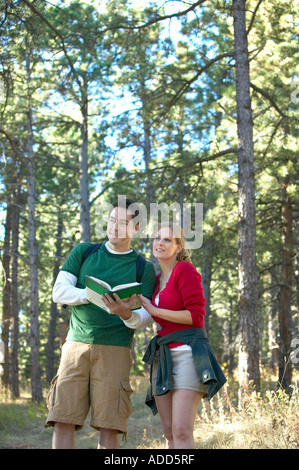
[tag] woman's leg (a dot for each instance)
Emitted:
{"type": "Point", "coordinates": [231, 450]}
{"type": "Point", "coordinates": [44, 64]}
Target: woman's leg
{"type": "Point", "coordinates": [184, 410]}
{"type": "Point", "coordinates": [164, 406]}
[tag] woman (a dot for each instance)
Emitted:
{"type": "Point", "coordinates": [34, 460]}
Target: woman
{"type": "Point", "coordinates": [178, 307]}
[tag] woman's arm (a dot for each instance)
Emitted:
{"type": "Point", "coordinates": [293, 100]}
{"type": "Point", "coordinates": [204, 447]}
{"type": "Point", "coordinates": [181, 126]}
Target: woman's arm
{"type": "Point", "coordinates": [175, 316]}
{"type": "Point", "coordinates": [188, 282]}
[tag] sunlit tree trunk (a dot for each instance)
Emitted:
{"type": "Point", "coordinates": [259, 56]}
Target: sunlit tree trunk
{"type": "Point", "coordinates": [83, 170]}
{"type": "Point", "coordinates": [50, 349]}
{"type": "Point", "coordinates": [35, 373]}
{"type": "Point", "coordinates": [273, 314]}
{"type": "Point", "coordinates": [6, 302]}
{"type": "Point", "coordinates": [248, 292]}
{"type": "Point", "coordinates": [285, 365]}
{"type": "Point", "coordinates": [15, 231]}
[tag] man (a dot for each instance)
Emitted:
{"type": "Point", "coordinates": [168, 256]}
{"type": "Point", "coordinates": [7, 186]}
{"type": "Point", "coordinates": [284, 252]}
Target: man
{"type": "Point", "coordinates": [96, 358]}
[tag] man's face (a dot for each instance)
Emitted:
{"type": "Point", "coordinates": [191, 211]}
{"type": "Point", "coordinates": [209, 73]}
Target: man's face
{"type": "Point", "coordinates": [119, 228]}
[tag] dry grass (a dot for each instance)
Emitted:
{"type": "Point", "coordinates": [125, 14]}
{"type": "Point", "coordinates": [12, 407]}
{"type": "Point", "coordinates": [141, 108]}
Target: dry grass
{"type": "Point", "coordinates": [270, 421]}
{"type": "Point", "coordinates": [265, 421]}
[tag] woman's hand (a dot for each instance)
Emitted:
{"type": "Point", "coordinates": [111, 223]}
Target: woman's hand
{"type": "Point", "coordinates": [175, 316]}
{"type": "Point", "coordinates": [147, 304]}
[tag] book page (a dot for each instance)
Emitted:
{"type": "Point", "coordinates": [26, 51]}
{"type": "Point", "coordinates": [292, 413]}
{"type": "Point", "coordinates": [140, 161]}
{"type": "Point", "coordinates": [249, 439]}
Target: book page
{"type": "Point", "coordinates": [96, 299]}
{"type": "Point", "coordinates": [123, 286]}
{"type": "Point", "coordinates": [100, 282]}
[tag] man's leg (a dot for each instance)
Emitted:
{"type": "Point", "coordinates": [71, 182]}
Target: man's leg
{"type": "Point", "coordinates": [63, 436]}
{"type": "Point", "coordinates": [110, 393]}
{"type": "Point", "coordinates": [68, 397]}
{"type": "Point", "coordinates": [108, 439]}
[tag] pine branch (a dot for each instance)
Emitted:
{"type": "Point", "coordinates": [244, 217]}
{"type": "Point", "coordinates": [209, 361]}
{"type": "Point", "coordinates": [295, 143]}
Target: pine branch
{"type": "Point", "coordinates": [269, 97]}
{"type": "Point", "coordinates": [57, 33]}
{"type": "Point", "coordinates": [153, 20]}
{"type": "Point", "coordinates": [9, 138]}
{"type": "Point", "coordinates": [173, 15]}
{"type": "Point", "coordinates": [253, 16]}
{"type": "Point", "coordinates": [184, 88]}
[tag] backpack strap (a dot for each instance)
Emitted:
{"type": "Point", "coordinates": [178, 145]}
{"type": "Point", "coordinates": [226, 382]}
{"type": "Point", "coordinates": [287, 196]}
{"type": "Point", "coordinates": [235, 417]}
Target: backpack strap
{"type": "Point", "coordinates": [140, 267]}
{"type": "Point", "coordinates": [90, 250]}
{"type": "Point", "coordinates": [140, 263]}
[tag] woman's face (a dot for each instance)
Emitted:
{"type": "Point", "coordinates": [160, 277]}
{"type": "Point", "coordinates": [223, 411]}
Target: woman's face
{"type": "Point", "coordinates": [165, 245]}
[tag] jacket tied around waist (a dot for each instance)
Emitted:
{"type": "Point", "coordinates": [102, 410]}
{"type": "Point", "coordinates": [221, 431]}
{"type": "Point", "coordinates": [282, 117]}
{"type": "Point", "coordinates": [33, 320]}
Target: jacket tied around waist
{"type": "Point", "coordinates": [206, 364]}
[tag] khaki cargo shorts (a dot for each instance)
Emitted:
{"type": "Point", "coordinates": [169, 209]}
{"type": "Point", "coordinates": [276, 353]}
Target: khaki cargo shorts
{"type": "Point", "coordinates": [91, 376]}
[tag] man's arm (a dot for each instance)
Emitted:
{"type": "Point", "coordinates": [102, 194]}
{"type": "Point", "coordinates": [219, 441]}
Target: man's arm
{"type": "Point", "coordinates": [66, 292]}
{"type": "Point", "coordinates": [132, 318]}
{"type": "Point", "coordinates": [139, 319]}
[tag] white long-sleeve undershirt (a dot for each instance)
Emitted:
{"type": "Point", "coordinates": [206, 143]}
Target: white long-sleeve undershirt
{"type": "Point", "coordinates": [66, 292]}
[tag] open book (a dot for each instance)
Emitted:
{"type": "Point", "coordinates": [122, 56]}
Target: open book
{"type": "Point", "coordinates": [95, 288]}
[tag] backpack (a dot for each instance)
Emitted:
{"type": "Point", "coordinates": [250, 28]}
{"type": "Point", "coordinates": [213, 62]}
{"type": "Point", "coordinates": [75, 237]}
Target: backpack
{"type": "Point", "coordinates": [140, 263]}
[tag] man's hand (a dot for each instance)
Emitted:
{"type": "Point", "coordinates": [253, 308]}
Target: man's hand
{"type": "Point", "coordinates": [118, 307]}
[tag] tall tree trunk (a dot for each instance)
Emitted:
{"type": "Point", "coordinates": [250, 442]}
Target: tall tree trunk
{"type": "Point", "coordinates": [83, 171]}
{"type": "Point", "coordinates": [6, 312]}
{"type": "Point", "coordinates": [207, 278]}
{"type": "Point", "coordinates": [149, 184]}
{"type": "Point", "coordinates": [207, 265]}
{"type": "Point", "coordinates": [149, 187]}
{"type": "Point", "coordinates": [285, 366]}
{"type": "Point", "coordinates": [296, 265]}
{"type": "Point", "coordinates": [248, 292]}
{"type": "Point", "coordinates": [272, 322]}
{"type": "Point", "coordinates": [230, 355]}
{"type": "Point", "coordinates": [35, 373]}
{"type": "Point", "coordinates": [50, 349]}
{"type": "Point", "coordinates": [14, 368]}
{"type": "Point", "coordinates": [295, 306]}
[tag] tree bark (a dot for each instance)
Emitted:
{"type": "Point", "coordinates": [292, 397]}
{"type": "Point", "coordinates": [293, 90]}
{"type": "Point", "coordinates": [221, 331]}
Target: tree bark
{"type": "Point", "coordinates": [285, 366]}
{"type": "Point", "coordinates": [6, 310]}
{"type": "Point", "coordinates": [248, 292]}
{"type": "Point", "coordinates": [272, 322]}
{"type": "Point", "coordinates": [35, 373]}
{"type": "Point", "coordinates": [83, 170]}
{"type": "Point", "coordinates": [50, 349]}
{"type": "Point", "coordinates": [14, 367]}
{"type": "Point", "coordinates": [207, 279]}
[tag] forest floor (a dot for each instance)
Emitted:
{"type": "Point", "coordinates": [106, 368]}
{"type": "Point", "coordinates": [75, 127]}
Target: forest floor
{"type": "Point", "coordinates": [267, 420]}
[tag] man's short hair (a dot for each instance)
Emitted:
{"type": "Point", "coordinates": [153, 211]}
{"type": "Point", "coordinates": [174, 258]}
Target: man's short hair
{"type": "Point", "coordinates": [126, 203]}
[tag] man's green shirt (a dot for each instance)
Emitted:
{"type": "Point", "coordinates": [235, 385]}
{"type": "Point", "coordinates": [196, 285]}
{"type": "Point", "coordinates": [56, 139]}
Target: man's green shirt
{"type": "Point", "coordinates": [89, 323]}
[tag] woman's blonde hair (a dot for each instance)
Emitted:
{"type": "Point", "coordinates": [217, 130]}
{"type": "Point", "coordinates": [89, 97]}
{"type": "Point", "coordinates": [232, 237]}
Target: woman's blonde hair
{"type": "Point", "coordinates": [178, 235]}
